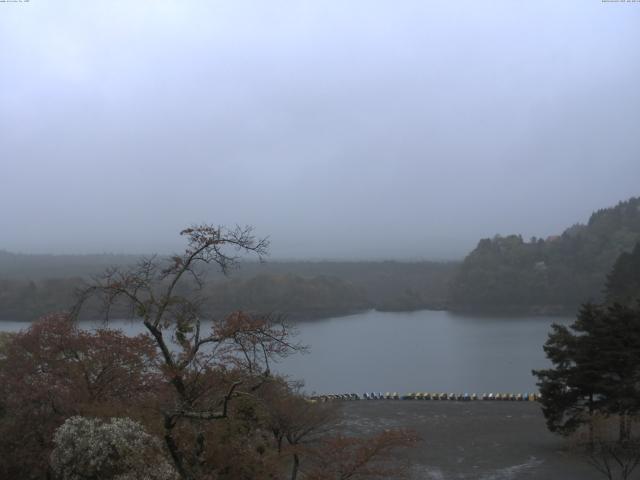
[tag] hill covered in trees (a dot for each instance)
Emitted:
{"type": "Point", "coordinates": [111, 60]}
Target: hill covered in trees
{"type": "Point", "coordinates": [556, 275]}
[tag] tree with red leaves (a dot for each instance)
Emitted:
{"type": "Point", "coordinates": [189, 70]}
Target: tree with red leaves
{"type": "Point", "coordinates": [54, 370]}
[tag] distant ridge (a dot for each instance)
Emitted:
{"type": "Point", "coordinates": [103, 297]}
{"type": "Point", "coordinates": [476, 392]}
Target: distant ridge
{"type": "Point", "coordinates": [33, 285]}
{"type": "Point", "coordinates": [35, 266]}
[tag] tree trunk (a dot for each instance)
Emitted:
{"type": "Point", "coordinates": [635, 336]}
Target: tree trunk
{"type": "Point", "coordinates": [174, 451]}
{"type": "Point", "coordinates": [294, 468]}
{"type": "Point", "coordinates": [624, 430]}
{"type": "Point", "coordinates": [591, 426]}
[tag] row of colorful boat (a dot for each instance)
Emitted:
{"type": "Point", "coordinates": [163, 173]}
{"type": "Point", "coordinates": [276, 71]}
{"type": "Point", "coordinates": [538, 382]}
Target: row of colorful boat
{"type": "Point", "coordinates": [461, 397]}
{"type": "Point", "coordinates": [513, 397]}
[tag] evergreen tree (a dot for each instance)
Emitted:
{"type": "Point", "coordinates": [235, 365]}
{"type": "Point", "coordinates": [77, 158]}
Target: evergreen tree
{"type": "Point", "coordinates": [623, 283]}
{"type": "Point", "coordinates": [568, 390]}
{"type": "Point", "coordinates": [596, 369]}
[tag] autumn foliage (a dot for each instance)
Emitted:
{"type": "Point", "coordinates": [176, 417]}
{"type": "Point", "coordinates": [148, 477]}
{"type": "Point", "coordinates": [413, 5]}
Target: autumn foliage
{"type": "Point", "coordinates": [54, 370]}
{"type": "Point", "coordinates": [200, 390]}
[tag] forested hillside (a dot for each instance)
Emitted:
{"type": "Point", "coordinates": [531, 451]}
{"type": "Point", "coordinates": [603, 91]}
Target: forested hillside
{"type": "Point", "coordinates": [623, 283]}
{"type": "Point", "coordinates": [547, 275]}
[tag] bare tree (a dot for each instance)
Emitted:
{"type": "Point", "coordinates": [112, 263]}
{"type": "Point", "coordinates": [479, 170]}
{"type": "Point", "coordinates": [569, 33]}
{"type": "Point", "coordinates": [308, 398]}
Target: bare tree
{"type": "Point", "coordinates": [357, 458]}
{"type": "Point", "coordinates": [296, 420]}
{"type": "Point", "coordinates": [614, 458]}
{"type": "Point", "coordinates": [204, 368]}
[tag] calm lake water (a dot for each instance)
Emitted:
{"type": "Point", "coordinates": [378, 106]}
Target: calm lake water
{"type": "Point", "coordinates": [412, 351]}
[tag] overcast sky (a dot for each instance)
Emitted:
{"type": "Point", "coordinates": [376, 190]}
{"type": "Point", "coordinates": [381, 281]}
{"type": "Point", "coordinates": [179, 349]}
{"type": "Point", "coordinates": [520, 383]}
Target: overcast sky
{"type": "Point", "coordinates": [340, 128]}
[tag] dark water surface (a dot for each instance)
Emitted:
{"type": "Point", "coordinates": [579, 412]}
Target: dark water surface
{"type": "Point", "coordinates": [421, 351]}
{"type": "Point", "coordinates": [412, 351]}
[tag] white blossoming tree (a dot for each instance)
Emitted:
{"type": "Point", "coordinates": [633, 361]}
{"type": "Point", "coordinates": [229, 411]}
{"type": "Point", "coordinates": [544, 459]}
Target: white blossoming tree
{"type": "Point", "coordinates": [118, 449]}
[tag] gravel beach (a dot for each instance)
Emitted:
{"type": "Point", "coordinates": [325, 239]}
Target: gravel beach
{"type": "Point", "coordinates": [473, 440]}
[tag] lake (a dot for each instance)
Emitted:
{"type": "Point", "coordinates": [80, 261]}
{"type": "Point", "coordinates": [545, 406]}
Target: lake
{"type": "Point", "coordinates": [412, 351]}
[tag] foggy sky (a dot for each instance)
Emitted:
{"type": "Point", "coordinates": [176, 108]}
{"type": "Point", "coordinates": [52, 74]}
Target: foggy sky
{"type": "Point", "coordinates": [341, 129]}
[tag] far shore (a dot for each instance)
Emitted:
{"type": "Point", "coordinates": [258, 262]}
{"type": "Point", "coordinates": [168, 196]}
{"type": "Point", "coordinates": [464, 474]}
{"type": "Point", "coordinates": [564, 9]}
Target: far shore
{"type": "Point", "coordinates": [336, 313]}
